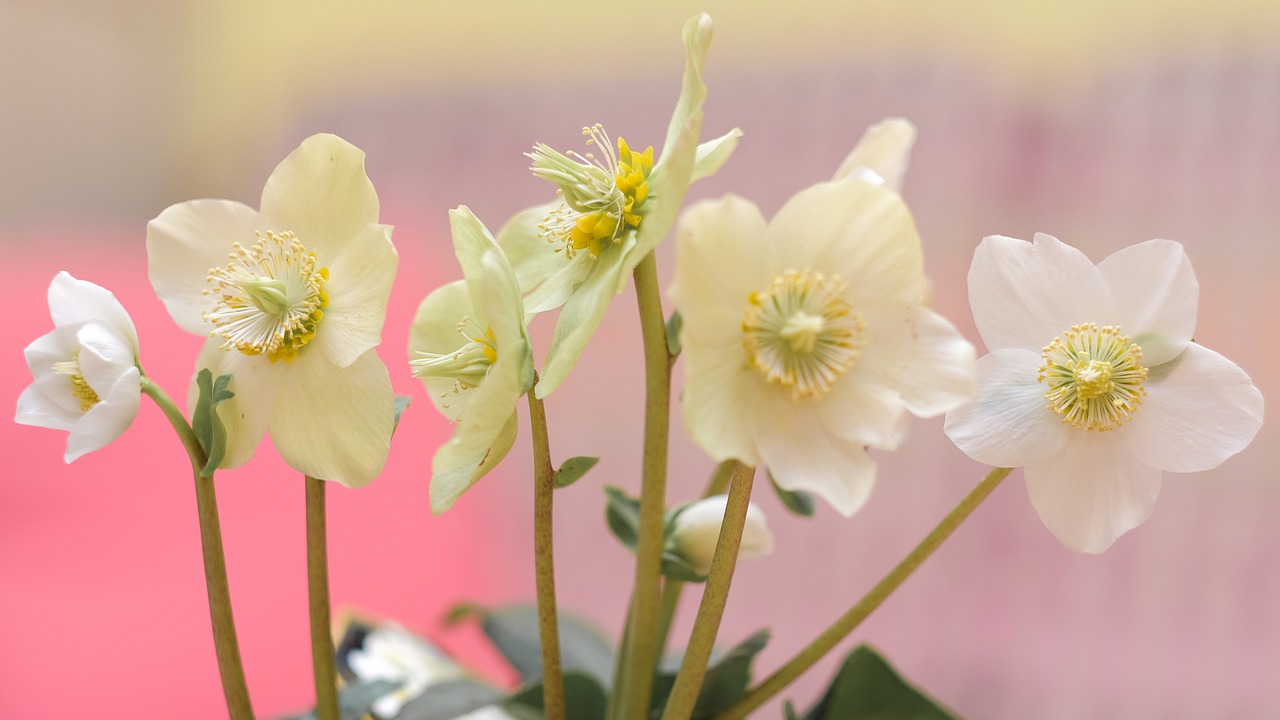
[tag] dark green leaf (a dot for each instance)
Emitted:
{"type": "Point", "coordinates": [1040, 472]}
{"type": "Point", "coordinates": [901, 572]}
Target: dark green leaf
{"type": "Point", "coordinates": [584, 699]}
{"type": "Point", "coordinates": [676, 567]}
{"type": "Point", "coordinates": [448, 700]}
{"type": "Point", "coordinates": [789, 711]}
{"type": "Point", "coordinates": [623, 515]}
{"type": "Point", "coordinates": [355, 701]}
{"type": "Point", "coordinates": [402, 404]}
{"type": "Point", "coordinates": [866, 686]}
{"type": "Point", "coordinates": [725, 683]}
{"type": "Point", "coordinates": [797, 501]}
{"type": "Point", "coordinates": [514, 632]}
{"type": "Point", "coordinates": [205, 422]}
{"type": "Point", "coordinates": [573, 469]}
{"type": "Point", "coordinates": [674, 323]}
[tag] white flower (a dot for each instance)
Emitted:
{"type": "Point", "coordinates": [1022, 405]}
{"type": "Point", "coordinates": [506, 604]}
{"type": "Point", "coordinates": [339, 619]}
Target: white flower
{"type": "Point", "coordinates": [805, 339]}
{"type": "Point", "coordinates": [392, 653]}
{"type": "Point", "coordinates": [1093, 383]}
{"type": "Point", "coordinates": [86, 377]}
{"type": "Point", "coordinates": [468, 345]}
{"type": "Point", "coordinates": [293, 298]}
{"type": "Point", "coordinates": [697, 530]}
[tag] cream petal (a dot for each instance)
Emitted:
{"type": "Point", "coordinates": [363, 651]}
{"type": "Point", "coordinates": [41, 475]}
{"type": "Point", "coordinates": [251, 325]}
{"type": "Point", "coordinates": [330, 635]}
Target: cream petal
{"type": "Point", "coordinates": [73, 301]}
{"type": "Point", "coordinates": [920, 355]}
{"type": "Point", "coordinates": [59, 345]}
{"type": "Point", "coordinates": [184, 243]}
{"type": "Point", "coordinates": [359, 284]}
{"type": "Point", "coordinates": [579, 318]}
{"type": "Point", "coordinates": [494, 289]}
{"type": "Point", "coordinates": [1200, 409]}
{"type": "Point", "coordinates": [1024, 294]}
{"type": "Point", "coordinates": [696, 532]}
{"type": "Point", "coordinates": [884, 149]}
{"type": "Point", "coordinates": [435, 331]}
{"type": "Point", "coordinates": [713, 154]}
{"type": "Point", "coordinates": [861, 409]}
{"type": "Point", "coordinates": [39, 410]}
{"type": "Point", "coordinates": [717, 397]}
{"type": "Point", "coordinates": [1093, 491]}
{"type": "Point", "coordinates": [459, 463]}
{"type": "Point", "coordinates": [531, 254]}
{"type": "Point", "coordinates": [245, 416]}
{"type": "Point", "coordinates": [104, 356]}
{"type": "Point", "coordinates": [109, 418]}
{"type": "Point", "coordinates": [670, 181]}
{"type": "Point", "coordinates": [334, 423]}
{"type": "Point", "coordinates": [1008, 423]}
{"type": "Point", "coordinates": [1155, 293]}
{"type": "Point", "coordinates": [696, 34]}
{"type": "Point", "coordinates": [321, 193]}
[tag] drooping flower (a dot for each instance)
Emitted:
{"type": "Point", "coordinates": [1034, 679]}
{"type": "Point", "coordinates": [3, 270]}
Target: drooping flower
{"type": "Point", "coordinates": [469, 347]}
{"type": "Point", "coordinates": [697, 530]}
{"type": "Point", "coordinates": [293, 298]}
{"type": "Point", "coordinates": [613, 210]}
{"type": "Point", "coordinates": [1093, 384]}
{"type": "Point", "coordinates": [85, 372]}
{"type": "Point", "coordinates": [805, 338]}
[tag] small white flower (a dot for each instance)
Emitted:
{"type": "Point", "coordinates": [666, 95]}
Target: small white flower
{"type": "Point", "coordinates": [86, 377]}
{"type": "Point", "coordinates": [392, 653]}
{"type": "Point", "coordinates": [697, 530]}
{"type": "Point", "coordinates": [1093, 384]}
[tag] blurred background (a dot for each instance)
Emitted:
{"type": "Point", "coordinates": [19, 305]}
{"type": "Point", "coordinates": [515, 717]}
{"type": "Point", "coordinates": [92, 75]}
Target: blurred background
{"type": "Point", "coordinates": [1104, 123]}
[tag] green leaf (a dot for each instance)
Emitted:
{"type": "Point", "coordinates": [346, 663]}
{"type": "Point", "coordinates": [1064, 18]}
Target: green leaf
{"type": "Point", "coordinates": [402, 404]}
{"type": "Point", "coordinates": [676, 567]}
{"type": "Point", "coordinates": [355, 701]}
{"type": "Point", "coordinates": [573, 469]}
{"type": "Point", "coordinates": [866, 686]}
{"type": "Point", "coordinates": [514, 632]}
{"type": "Point", "coordinates": [789, 711]}
{"type": "Point", "coordinates": [205, 422]}
{"type": "Point", "coordinates": [584, 699]}
{"type": "Point", "coordinates": [449, 700]}
{"type": "Point", "coordinates": [725, 683]}
{"type": "Point", "coordinates": [797, 501]}
{"type": "Point", "coordinates": [623, 516]}
{"type": "Point", "coordinates": [674, 323]}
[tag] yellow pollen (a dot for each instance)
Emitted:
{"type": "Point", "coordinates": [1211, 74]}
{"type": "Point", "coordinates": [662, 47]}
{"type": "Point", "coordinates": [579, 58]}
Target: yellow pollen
{"type": "Point", "coordinates": [1094, 375]}
{"type": "Point", "coordinates": [468, 366]}
{"type": "Point", "coordinates": [79, 387]}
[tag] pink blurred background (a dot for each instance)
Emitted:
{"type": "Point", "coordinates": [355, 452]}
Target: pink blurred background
{"type": "Point", "coordinates": [1102, 123]}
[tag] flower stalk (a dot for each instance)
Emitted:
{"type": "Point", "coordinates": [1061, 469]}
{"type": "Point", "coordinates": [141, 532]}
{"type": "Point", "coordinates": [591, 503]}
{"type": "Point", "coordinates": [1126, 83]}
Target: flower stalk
{"type": "Point", "coordinates": [544, 486]}
{"type": "Point", "coordinates": [322, 649]}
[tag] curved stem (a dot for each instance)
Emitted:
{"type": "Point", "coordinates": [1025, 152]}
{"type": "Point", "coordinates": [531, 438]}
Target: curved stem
{"type": "Point", "coordinates": [864, 607]}
{"type": "Point", "coordinates": [693, 668]}
{"type": "Point", "coordinates": [225, 644]}
{"type": "Point", "coordinates": [323, 664]}
{"type": "Point", "coordinates": [544, 486]}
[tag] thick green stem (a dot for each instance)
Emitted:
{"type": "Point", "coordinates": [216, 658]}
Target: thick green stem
{"type": "Point", "coordinates": [322, 649]}
{"type": "Point", "coordinates": [693, 668]}
{"type": "Point", "coordinates": [225, 644]}
{"type": "Point", "coordinates": [864, 607]}
{"type": "Point", "coordinates": [642, 660]}
{"type": "Point", "coordinates": [544, 487]}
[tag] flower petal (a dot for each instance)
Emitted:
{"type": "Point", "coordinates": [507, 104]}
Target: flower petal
{"type": "Point", "coordinates": [533, 258]}
{"type": "Point", "coordinates": [884, 149]}
{"type": "Point", "coordinates": [1155, 294]}
{"type": "Point", "coordinates": [713, 154]}
{"type": "Point", "coordinates": [1007, 424]}
{"type": "Point", "coordinates": [109, 418]}
{"type": "Point", "coordinates": [717, 399]}
{"type": "Point", "coordinates": [321, 193]}
{"type": "Point", "coordinates": [1200, 409]}
{"type": "Point", "coordinates": [435, 331]}
{"type": "Point", "coordinates": [579, 318]}
{"type": "Point", "coordinates": [1024, 295]}
{"type": "Point", "coordinates": [360, 278]}
{"type": "Point", "coordinates": [39, 410]}
{"type": "Point", "coordinates": [495, 292]}
{"type": "Point", "coordinates": [244, 416]}
{"type": "Point", "coordinates": [862, 410]}
{"type": "Point", "coordinates": [1093, 491]}
{"type": "Point", "coordinates": [693, 93]}
{"type": "Point", "coordinates": [670, 180]}
{"type": "Point", "coordinates": [920, 355]}
{"type": "Point", "coordinates": [184, 243]}
{"type": "Point", "coordinates": [104, 356]}
{"type": "Point", "coordinates": [59, 345]}
{"type": "Point", "coordinates": [460, 462]}
{"type": "Point", "coordinates": [74, 301]}
{"type": "Point", "coordinates": [696, 532]}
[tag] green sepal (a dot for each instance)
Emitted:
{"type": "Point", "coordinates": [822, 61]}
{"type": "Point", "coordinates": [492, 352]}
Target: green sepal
{"type": "Point", "coordinates": [356, 701]}
{"type": "Point", "coordinates": [584, 699]}
{"type": "Point", "coordinates": [623, 515]}
{"type": "Point", "coordinates": [572, 470]}
{"type": "Point", "coordinates": [205, 423]}
{"type": "Point", "coordinates": [674, 323]}
{"type": "Point", "coordinates": [866, 686]}
{"type": "Point", "coordinates": [798, 502]}
{"type": "Point", "coordinates": [514, 631]}
{"type": "Point", "coordinates": [402, 404]}
{"type": "Point", "coordinates": [725, 683]}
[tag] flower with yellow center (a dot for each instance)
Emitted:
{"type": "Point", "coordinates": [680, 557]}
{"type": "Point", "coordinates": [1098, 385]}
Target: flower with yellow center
{"type": "Point", "coordinates": [1093, 384]}
{"type": "Point", "coordinates": [805, 340]}
{"type": "Point", "coordinates": [615, 205]}
{"type": "Point", "coordinates": [292, 298]}
{"type": "Point", "coordinates": [85, 372]}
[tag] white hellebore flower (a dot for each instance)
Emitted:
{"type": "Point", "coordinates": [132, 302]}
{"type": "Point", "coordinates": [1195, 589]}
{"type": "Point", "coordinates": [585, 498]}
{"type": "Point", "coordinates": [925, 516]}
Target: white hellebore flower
{"type": "Point", "coordinates": [390, 652]}
{"type": "Point", "coordinates": [613, 210]}
{"type": "Point", "coordinates": [1093, 384]}
{"type": "Point", "coordinates": [468, 345]}
{"type": "Point", "coordinates": [805, 339]}
{"type": "Point", "coordinates": [292, 297]}
{"type": "Point", "coordinates": [86, 377]}
{"type": "Point", "coordinates": [697, 530]}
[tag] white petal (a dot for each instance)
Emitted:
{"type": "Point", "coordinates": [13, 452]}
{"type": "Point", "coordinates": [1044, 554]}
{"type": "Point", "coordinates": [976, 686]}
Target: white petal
{"type": "Point", "coordinates": [884, 149]}
{"type": "Point", "coordinates": [916, 352]}
{"type": "Point", "coordinates": [1024, 295]}
{"type": "Point", "coordinates": [74, 301]}
{"type": "Point", "coordinates": [321, 193]}
{"type": "Point", "coordinates": [435, 331]}
{"type": "Point", "coordinates": [59, 345]}
{"type": "Point", "coordinates": [245, 416]}
{"type": "Point", "coordinates": [531, 255]}
{"type": "Point", "coordinates": [104, 356]}
{"type": "Point", "coordinates": [579, 318]}
{"type": "Point", "coordinates": [670, 181]}
{"type": "Point", "coordinates": [334, 423]}
{"type": "Point", "coordinates": [697, 38]}
{"type": "Point", "coordinates": [359, 285]}
{"type": "Point", "coordinates": [1092, 492]}
{"type": "Point", "coordinates": [462, 461]}
{"type": "Point", "coordinates": [861, 409]}
{"type": "Point", "coordinates": [184, 243]}
{"type": "Point", "coordinates": [713, 154]}
{"type": "Point", "coordinates": [1155, 294]}
{"type": "Point", "coordinates": [718, 393]}
{"type": "Point", "coordinates": [1008, 424]}
{"type": "Point", "coordinates": [108, 419]}
{"type": "Point", "coordinates": [38, 410]}
{"type": "Point", "coordinates": [696, 532]}
{"type": "Point", "coordinates": [492, 283]}
{"type": "Point", "coordinates": [1200, 410]}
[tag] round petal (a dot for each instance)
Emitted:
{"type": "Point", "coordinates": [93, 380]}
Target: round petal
{"type": "Point", "coordinates": [531, 255]}
{"type": "Point", "coordinates": [1200, 410]}
{"type": "Point", "coordinates": [104, 356]}
{"type": "Point", "coordinates": [920, 355]}
{"type": "Point", "coordinates": [1155, 294]}
{"type": "Point", "coordinates": [885, 149]}
{"type": "Point", "coordinates": [59, 345]}
{"type": "Point", "coordinates": [718, 396]}
{"type": "Point", "coordinates": [39, 410]}
{"type": "Point", "coordinates": [461, 462]}
{"type": "Point", "coordinates": [861, 409]}
{"type": "Point", "coordinates": [334, 423]}
{"type": "Point", "coordinates": [245, 416]}
{"type": "Point", "coordinates": [73, 301]}
{"type": "Point", "coordinates": [321, 193]}
{"type": "Point", "coordinates": [1093, 491]}
{"type": "Point", "coordinates": [1008, 423]}
{"type": "Point", "coordinates": [435, 331]}
{"type": "Point", "coordinates": [184, 243]}
{"type": "Point", "coordinates": [1024, 295]}
{"type": "Point", "coordinates": [109, 418]}
{"type": "Point", "coordinates": [360, 278]}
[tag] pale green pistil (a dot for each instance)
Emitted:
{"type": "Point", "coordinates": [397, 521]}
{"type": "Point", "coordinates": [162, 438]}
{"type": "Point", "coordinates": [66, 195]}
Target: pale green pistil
{"type": "Point", "coordinates": [266, 293]}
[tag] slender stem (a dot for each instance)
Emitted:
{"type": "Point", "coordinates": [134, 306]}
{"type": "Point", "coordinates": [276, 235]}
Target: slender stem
{"type": "Point", "coordinates": [322, 649]}
{"type": "Point", "coordinates": [544, 487]}
{"type": "Point", "coordinates": [225, 644]}
{"type": "Point", "coordinates": [638, 679]}
{"type": "Point", "coordinates": [693, 668]}
{"type": "Point", "coordinates": [624, 651]}
{"type": "Point", "coordinates": [872, 600]}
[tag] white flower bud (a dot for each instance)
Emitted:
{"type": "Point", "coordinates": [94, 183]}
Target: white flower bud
{"type": "Point", "coordinates": [697, 529]}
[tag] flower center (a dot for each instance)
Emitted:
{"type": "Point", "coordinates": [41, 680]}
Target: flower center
{"type": "Point", "coordinates": [468, 365]}
{"type": "Point", "coordinates": [801, 333]}
{"type": "Point", "coordinates": [1095, 377]}
{"type": "Point", "coordinates": [71, 368]}
{"type": "Point", "coordinates": [269, 298]}
{"type": "Point", "coordinates": [603, 196]}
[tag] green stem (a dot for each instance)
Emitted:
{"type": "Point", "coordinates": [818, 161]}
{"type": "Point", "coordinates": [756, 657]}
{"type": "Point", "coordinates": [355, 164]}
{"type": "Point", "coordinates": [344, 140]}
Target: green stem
{"type": "Point", "coordinates": [693, 668]}
{"type": "Point", "coordinates": [872, 600]}
{"type": "Point", "coordinates": [322, 649]}
{"type": "Point", "coordinates": [225, 644]}
{"type": "Point", "coordinates": [624, 651]}
{"type": "Point", "coordinates": [544, 486]}
{"type": "Point", "coordinates": [642, 660]}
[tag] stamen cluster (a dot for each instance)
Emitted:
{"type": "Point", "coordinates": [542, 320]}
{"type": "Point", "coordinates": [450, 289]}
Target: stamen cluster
{"type": "Point", "coordinates": [79, 386]}
{"type": "Point", "coordinates": [1095, 377]}
{"type": "Point", "coordinates": [468, 365]}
